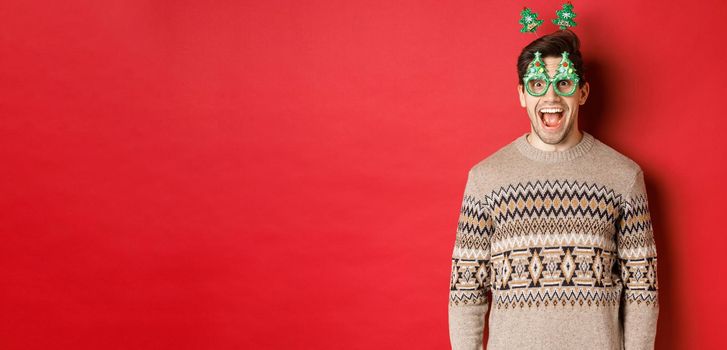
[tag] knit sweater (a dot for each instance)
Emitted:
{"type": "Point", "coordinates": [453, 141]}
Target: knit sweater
{"type": "Point", "coordinates": [563, 241]}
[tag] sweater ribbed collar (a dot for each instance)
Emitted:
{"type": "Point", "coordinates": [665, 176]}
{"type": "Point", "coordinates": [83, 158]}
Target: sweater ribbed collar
{"type": "Point", "coordinates": [581, 148]}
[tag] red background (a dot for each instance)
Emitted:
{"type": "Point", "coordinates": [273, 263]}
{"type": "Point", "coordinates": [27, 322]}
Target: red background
{"type": "Point", "coordinates": [288, 174]}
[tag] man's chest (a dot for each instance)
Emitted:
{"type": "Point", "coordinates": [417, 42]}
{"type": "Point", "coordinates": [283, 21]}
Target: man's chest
{"type": "Point", "coordinates": [553, 233]}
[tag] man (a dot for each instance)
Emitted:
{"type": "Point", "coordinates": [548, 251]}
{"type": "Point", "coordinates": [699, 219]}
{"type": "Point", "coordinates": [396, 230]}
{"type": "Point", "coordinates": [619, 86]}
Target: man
{"type": "Point", "coordinates": [556, 226]}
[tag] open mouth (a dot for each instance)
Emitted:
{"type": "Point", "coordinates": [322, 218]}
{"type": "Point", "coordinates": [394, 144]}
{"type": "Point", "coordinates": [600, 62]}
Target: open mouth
{"type": "Point", "coordinates": [551, 117]}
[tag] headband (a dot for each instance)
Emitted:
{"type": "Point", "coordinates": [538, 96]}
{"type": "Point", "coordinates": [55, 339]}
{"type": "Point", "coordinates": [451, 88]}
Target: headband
{"type": "Point", "coordinates": [536, 80]}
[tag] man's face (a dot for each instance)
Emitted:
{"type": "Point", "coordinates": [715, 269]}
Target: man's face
{"type": "Point", "coordinates": [553, 118]}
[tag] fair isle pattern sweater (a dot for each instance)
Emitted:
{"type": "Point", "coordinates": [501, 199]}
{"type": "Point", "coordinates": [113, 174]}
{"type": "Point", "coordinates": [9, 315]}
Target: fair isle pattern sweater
{"type": "Point", "coordinates": [563, 242]}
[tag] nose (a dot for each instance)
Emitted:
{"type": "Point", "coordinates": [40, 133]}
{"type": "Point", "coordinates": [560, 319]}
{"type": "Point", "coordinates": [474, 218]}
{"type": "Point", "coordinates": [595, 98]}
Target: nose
{"type": "Point", "coordinates": [550, 94]}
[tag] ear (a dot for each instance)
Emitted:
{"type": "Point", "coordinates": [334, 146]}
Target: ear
{"type": "Point", "coordinates": [583, 93]}
{"type": "Point", "coordinates": [521, 94]}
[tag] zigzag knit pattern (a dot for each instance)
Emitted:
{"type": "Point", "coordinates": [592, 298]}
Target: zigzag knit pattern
{"type": "Point", "coordinates": [535, 238]}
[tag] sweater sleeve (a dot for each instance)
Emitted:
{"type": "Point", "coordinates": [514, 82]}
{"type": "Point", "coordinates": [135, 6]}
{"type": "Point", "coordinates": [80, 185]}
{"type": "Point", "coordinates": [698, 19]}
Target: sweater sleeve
{"type": "Point", "coordinates": [470, 277]}
{"type": "Point", "coordinates": [637, 261]}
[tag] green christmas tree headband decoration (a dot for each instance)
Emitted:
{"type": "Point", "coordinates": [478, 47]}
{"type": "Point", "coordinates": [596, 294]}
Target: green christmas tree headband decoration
{"type": "Point", "coordinates": [565, 16]}
{"type": "Point", "coordinates": [530, 22]}
{"type": "Point", "coordinates": [565, 81]}
{"type": "Point", "coordinates": [536, 79]}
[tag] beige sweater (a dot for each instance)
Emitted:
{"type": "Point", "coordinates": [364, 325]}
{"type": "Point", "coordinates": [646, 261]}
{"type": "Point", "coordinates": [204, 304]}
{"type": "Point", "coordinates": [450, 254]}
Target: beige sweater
{"type": "Point", "coordinates": [564, 243]}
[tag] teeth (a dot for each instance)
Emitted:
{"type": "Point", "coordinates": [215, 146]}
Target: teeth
{"type": "Point", "coordinates": [551, 110]}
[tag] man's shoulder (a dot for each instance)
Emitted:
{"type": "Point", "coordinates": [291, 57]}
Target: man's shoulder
{"type": "Point", "coordinates": [612, 160]}
{"type": "Point", "coordinates": [498, 168]}
{"type": "Point", "coordinates": [603, 162]}
{"type": "Point", "coordinates": [497, 160]}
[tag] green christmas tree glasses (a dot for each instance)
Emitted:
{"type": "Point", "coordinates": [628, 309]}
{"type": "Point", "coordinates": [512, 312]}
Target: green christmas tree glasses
{"type": "Point", "coordinates": [537, 82]}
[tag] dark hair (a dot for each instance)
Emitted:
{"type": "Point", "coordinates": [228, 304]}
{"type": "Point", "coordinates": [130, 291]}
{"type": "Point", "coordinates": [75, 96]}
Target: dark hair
{"type": "Point", "coordinates": [553, 45]}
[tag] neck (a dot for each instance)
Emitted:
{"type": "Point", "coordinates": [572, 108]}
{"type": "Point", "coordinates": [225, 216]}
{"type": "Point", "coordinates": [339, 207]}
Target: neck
{"type": "Point", "coordinates": [571, 140]}
{"type": "Point", "coordinates": [584, 145]}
